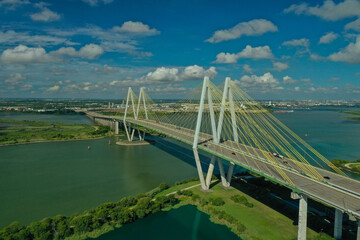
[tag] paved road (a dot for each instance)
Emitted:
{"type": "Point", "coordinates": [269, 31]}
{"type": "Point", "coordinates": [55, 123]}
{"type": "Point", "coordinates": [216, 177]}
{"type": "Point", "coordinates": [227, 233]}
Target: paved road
{"type": "Point", "coordinates": [338, 191]}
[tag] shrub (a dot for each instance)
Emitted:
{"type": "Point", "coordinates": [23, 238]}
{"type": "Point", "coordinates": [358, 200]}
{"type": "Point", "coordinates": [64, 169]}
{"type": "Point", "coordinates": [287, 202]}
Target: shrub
{"type": "Point", "coordinates": [163, 186]}
{"type": "Point", "coordinates": [217, 201]}
{"type": "Point", "coordinates": [204, 202]}
{"type": "Point", "coordinates": [242, 200]}
{"type": "Point", "coordinates": [240, 227]}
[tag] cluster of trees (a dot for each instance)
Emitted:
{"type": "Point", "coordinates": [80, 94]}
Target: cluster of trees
{"type": "Point", "coordinates": [127, 210]}
{"type": "Point", "coordinates": [242, 200]}
{"type": "Point", "coordinates": [101, 130]}
{"type": "Point", "coordinates": [339, 162]}
{"type": "Point", "coordinates": [353, 167]}
{"type": "Point", "coordinates": [223, 216]}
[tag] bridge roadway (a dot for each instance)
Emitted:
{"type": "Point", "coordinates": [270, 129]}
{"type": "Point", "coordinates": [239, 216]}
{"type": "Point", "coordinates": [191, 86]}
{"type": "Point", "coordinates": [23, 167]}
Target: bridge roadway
{"type": "Point", "coordinates": [340, 192]}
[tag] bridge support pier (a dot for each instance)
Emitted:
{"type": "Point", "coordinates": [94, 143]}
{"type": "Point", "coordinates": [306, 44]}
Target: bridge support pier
{"type": "Point", "coordinates": [210, 172]}
{"type": "Point", "coordinates": [222, 173]}
{"type": "Point", "coordinates": [230, 173]}
{"type": "Point", "coordinates": [338, 224]}
{"type": "Point", "coordinates": [199, 169]}
{"type": "Point", "coordinates": [116, 128]}
{"type": "Point", "coordinates": [302, 214]}
{"type": "Point", "coordinates": [358, 230]}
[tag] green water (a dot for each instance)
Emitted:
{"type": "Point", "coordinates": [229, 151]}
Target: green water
{"type": "Point", "coordinates": [43, 117]}
{"type": "Point", "coordinates": [46, 179]}
{"type": "Point", "coordinates": [183, 223]}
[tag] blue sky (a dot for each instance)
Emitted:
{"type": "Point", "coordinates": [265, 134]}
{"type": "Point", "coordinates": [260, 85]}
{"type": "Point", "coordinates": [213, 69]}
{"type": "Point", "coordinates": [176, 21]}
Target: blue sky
{"type": "Point", "coordinates": [98, 48]}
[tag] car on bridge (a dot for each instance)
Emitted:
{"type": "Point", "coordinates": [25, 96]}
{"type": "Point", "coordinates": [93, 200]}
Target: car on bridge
{"type": "Point", "coordinates": [276, 155]}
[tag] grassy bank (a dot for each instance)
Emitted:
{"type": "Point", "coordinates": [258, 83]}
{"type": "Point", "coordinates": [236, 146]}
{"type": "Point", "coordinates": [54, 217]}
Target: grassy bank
{"type": "Point", "coordinates": [245, 216]}
{"type": "Point", "coordinates": [16, 132]}
{"type": "Point", "coordinates": [353, 167]}
{"type": "Point", "coordinates": [357, 113]}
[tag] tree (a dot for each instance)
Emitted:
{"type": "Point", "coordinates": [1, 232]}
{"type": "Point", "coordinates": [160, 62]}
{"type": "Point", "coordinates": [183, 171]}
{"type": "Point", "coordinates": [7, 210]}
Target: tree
{"type": "Point", "coordinates": [163, 186]}
{"type": "Point", "coordinates": [82, 224]}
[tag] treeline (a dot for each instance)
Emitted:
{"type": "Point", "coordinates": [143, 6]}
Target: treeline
{"type": "Point", "coordinates": [340, 163]}
{"type": "Point", "coordinates": [114, 214]}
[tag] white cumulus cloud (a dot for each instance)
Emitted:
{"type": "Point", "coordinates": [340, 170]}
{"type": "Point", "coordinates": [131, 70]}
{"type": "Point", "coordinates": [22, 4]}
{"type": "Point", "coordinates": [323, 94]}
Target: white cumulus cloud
{"type": "Point", "coordinates": [45, 15]}
{"type": "Point", "coordinates": [256, 53]}
{"type": "Point", "coordinates": [89, 51]}
{"type": "Point", "coordinates": [53, 88]}
{"type": "Point", "coordinates": [12, 4]}
{"type": "Point", "coordinates": [289, 80]}
{"type": "Point", "coordinates": [105, 69]}
{"type": "Point", "coordinates": [350, 54]}
{"type": "Point", "coordinates": [165, 75]}
{"type": "Point", "coordinates": [96, 2]}
{"type": "Point", "coordinates": [303, 42]}
{"type": "Point", "coordinates": [328, 38]}
{"type": "Point", "coordinates": [197, 72]}
{"type": "Point", "coordinates": [14, 78]}
{"type": "Point", "coordinates": [355, 25]}
{"type": "Point", "coordinates": [247, 68]}
{"type": "Point", "coordinates": [254, 27]}
{"type": "Point", "coordinates": [265, 82]}
{"type": "Point", "coordinates": [136, 27]}
{"type": "Point", "coordinates": [329, 10]}
{"type": "Point", "coordinates": [279, 66]}
{"type": "Point", "coordinates": [23, 54]}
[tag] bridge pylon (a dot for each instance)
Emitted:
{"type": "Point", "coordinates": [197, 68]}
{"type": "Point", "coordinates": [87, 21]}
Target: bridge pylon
{"type": "Point", "coordinates": [130, 99]}
{"type": "Point", "coordinates": [216, 132]}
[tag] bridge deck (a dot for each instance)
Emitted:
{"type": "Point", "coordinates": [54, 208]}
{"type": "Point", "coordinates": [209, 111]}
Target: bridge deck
{"type": "Point", "coordinates": [340, 192]}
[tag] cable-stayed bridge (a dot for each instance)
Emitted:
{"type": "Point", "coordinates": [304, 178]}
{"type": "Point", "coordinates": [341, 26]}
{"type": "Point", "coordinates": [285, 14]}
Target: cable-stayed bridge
{"type": "Point", "coordinates": [231, 126]}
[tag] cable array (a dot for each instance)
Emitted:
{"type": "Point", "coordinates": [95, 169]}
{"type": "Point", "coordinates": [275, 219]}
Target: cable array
{"type": "Point", "coordinates": [246, 127]}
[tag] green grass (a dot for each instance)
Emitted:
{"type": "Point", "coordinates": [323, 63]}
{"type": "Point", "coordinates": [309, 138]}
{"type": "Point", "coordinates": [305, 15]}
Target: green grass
{"type": "Point", "coordinates": [351, 112]}
{"type": "Point", "coordinates": [177, 188]}
{"type": "Point", "coordinates": [261, 221]}
{"type": "Point", "coordinates": [13, 132]}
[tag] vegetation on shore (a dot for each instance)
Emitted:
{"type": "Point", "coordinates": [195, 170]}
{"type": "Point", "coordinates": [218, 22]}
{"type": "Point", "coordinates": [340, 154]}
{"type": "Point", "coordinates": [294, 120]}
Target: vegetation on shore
{"type": "Point", "coordinates": [14, 132]}
{"type": "Point", "coordinates": [352, 113]}
{"type": "Point", "coordinates": [353, 167]}
{"type": "Point", "coordinates": [94, 222]}
{"type": "Point", "coordinates": [244, 215]}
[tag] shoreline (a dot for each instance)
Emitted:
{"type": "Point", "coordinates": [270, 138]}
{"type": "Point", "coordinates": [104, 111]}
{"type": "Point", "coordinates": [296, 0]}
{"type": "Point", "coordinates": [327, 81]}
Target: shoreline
{"type": "Point", "coordinates": [63, 140]}
{"type": "Point", "coordinates": [349, 170]}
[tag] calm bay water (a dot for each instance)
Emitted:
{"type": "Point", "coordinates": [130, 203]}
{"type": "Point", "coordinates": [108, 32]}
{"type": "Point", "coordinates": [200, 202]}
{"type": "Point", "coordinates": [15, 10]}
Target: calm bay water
{"type": "Point", "coordinates": [43, 117]}
{"type": "Point", "coordinates": [183, 223]}
{"type": "Point", "coordinates": [329, 132]}
{"type": "Point", "coordinates": [46, 179]}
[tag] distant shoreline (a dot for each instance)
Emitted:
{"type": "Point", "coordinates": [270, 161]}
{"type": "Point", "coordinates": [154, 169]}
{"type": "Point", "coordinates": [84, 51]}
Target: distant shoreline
{"type": "Point", "coordinates": [46, 141]}
{"type": "Point", "coordinates": [63, 140]}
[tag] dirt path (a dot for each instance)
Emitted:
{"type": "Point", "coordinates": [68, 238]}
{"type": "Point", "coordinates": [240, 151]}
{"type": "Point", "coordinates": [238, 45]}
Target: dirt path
{"type": "Point", "coordinates": [348, 164]}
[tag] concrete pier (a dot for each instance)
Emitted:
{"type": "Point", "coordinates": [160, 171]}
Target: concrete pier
{"type": "Point", "coordinates": [338, 224]}
{"type": "Point", "coordinates": [302, 223]}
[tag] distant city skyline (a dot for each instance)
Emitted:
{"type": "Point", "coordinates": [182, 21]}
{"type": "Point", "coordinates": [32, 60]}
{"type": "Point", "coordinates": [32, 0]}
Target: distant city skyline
{"type": "Point", "coordinates": [98, 48]}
